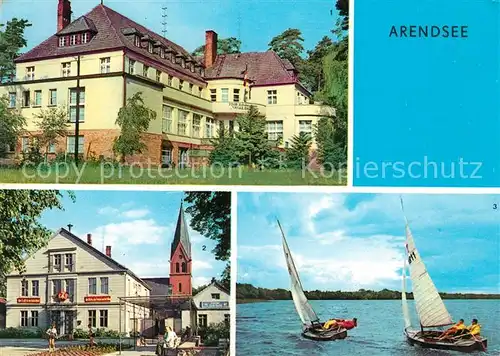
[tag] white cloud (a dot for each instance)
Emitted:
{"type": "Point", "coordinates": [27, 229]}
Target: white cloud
{"type": "Point", "coordinates": [149, 269]}
{"type": "Point", "coordinates": [201, 265]}
{"type": "Point", "coordinates": [135, 214]}
{"type": "Point", "coordinates": [108, 210]}
{"type": "Point", "coordinates": [135, 232]}
{"type": "Point", "coordinates": [201, 281]}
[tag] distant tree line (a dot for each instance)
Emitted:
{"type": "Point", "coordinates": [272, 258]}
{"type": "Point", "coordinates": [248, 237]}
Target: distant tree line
{"type": "Point", "coordinates": [249, 292]}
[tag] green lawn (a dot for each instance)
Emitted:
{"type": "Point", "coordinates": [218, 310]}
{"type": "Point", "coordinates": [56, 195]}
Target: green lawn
{"type": "Point", "coordinates": [95, 174]}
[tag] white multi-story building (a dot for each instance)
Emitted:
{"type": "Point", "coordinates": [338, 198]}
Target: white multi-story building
{"type": "Point", "coordinates": [73, 284]}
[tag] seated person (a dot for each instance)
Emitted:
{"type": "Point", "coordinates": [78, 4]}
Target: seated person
{"type": "Point", "coordinates": [454, 330]}
{"type": "Point", "coordinates": [330, 324]}
{"type": "Point", "coordinates": [347, 324]}
{"type": "Point", "coordinates": [474, 329]}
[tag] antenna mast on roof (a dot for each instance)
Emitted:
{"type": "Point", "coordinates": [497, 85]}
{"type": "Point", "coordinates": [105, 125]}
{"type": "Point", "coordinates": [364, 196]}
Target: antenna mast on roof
{"type": "Point", "coordinates": [164, 20]}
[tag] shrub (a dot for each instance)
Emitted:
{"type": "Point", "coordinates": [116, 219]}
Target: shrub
{"type": "Point", "coordinates": [21, 333]}
{"type": "Point", "coordinates": [211, 334]}
{"type": "Point", "coordinates": [84, 334]}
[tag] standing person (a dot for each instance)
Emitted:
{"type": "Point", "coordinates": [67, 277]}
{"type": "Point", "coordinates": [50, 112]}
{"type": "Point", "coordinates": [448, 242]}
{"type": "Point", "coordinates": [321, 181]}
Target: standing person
{"type": "Point", "coordinates": [52, 333]}
{"type": "Point", "coordinates": [91, 335]}
{"type": "Point", "coordinates": [171, 338]}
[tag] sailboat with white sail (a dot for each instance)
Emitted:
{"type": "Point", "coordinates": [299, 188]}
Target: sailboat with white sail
{"type": "Point", "coordinates": [431, 310]}
{"type": "Point", "coordinates": [312, 327]}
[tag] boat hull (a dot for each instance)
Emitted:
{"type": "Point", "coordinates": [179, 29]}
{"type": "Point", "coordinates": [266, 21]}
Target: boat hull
{"type": "Point", "coordinates": [319, 334]}
{"type": "Point", "coordinates": [414, 337]}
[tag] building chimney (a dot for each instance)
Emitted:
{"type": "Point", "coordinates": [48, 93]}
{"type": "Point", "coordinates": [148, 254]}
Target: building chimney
{"type": "Point", "coordinates": [210, 48]}
{"type": "Point", "coordinates": [63, 14]}
{"type": "Point", "coordinates": [89, 239]}
{"type": "Point", "coordinates": [108, 251]}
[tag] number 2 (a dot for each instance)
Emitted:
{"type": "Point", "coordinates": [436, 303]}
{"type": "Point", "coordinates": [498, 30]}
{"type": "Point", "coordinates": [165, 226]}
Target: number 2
{"type": "Point", "coordinates": [204, 247]}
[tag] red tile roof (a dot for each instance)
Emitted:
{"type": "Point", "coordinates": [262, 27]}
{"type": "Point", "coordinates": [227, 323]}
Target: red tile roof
{"type": "Point", "coordinates": [264, 68]}
{"type": "Point", "coordinates": [109, 25]}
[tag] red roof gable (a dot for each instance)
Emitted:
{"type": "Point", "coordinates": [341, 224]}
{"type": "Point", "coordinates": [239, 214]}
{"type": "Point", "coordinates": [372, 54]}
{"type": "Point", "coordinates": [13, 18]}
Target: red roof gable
{"type": "Point", "coordinates": [263, 68]}
{"type": "Point", "coordinates": [109, 25]}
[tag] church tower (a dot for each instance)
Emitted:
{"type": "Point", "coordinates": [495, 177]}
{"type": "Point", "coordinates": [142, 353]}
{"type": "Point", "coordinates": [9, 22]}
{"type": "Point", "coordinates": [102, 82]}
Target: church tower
{"type": "Point", "coordinates": [180, 259]}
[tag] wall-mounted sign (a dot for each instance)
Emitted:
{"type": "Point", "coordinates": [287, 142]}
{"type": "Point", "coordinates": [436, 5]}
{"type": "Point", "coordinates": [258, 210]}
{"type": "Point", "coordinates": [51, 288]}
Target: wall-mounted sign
{"type": "Point", "coordinates": [24, 300]}
{"type": "Point", "coordinates": [97, 299]}
{"type": "Point", "coordinates": [214, 305]}
{"type": "Point", "coordinates": [239, 105]}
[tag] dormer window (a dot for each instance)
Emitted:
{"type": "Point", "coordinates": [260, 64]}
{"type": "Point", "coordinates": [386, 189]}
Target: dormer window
{"type": "Point", "coordinates": [137, 41]}
{"type": "Point", "coordinates": [202, 72]}
{"type": "Point", "coordinates": [150, 47]}
{"type": "Point", "coordinates": [192, 67]}
{"type": "Point", "coordinates": [162, 52]}
{"type": "Point", "coordinates": [85, 37]}
{"type": "Point", "coordinates": [72, 40]}
{"type": "Point", "coordinates": [62, 41]}
{"type": "Point", "coordinates": [183, 63]}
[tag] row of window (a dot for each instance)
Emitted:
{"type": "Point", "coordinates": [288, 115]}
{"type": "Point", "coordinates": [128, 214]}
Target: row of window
{"type": "Point", "coordinates": [103, 318]}
{"type": "Point", "coordinates": [26, 142]}
{"type": "Point", "coordinates": [67, 285]}
{"type": "Point", "coordinates": [169, 54]}
{"type": "Point", "coordinates": [103, 283]}
{"type": "Point", "coordinates": [57, 264]}
{"type": "Point", "coordinates": [272, 95]}
{"type": "Point", "coordinates": [74, 39]}
{"type": "Point", "coordinates": [31, 318]}
{"type": "Point", "coordinates": [183, 127]}
{"type": "Point", "coordinates": [275, 129]}
{"type": "Point", "coordinates": [27, 101]}
{"type": "Point", "coordinates": [164, 78]}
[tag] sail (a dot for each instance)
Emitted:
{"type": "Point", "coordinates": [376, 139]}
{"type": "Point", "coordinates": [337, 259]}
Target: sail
{"type": "Point", "coordinates": [430, 307]}
{"type": "Point", "coordinates": [304, 309]}
{"type": "Point", "coordinates": [406, 312]}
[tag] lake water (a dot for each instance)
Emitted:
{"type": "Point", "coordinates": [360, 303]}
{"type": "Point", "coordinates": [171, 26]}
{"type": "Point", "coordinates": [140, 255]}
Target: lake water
{"type": "Point", "coordinates": [273, 328]}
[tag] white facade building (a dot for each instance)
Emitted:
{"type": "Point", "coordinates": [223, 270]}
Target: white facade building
{"type": "Point", "coordinates": [73, 284]}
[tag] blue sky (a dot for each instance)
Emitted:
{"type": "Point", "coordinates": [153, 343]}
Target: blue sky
{"type": "Point", "coordinates": [139, 225]}
{"type": "Point", "coordinates": [256, 22]}
{"type": "Point", "coordinates": [353, 241]}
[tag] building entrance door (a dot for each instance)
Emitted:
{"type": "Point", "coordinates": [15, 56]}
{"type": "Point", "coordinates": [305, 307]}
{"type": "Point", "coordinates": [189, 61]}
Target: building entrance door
{"type": "Point", "coordinates": [69, 322]}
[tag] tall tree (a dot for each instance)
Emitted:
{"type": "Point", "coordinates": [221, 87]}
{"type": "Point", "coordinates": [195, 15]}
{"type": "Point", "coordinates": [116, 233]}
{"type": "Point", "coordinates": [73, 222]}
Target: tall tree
{"type": "Point", "coordinates": [311, 71]}
{"type": "Point", "coordinates": [12, 125]}
{"type": "Point", "coordinates": [133, 120]}
{"type": "Point", "coordinates": [21, 232]}
{"type": "Point", "coordinates": [288, 45]}
{"type": "Point", "coordinates": [342, 7]}
{"type": "Point", "coordinates": [11, 41]}
{"type": "Point", "coordinates": [251, 141]}
{"type": "Point", "coordinates": [224, 152]}
{"type": "Point", "coordinates": [224, 46]}
{"type": "Point", "coordinates": [211, 217]}
{"type": "Point", "coordinates": [52, 124]}
{"type": "Point", "coordinates": [297, 155]}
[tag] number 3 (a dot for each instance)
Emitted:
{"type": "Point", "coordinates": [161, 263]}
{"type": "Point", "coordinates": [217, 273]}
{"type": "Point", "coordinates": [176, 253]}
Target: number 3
{"type": "Point", "coordinates": [495, 206]}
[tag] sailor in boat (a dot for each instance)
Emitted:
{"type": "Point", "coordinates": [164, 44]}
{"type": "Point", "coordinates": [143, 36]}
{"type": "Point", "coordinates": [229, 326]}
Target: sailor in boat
{"type": "Point", "coordinates": [474, 329]}
{"type": "Point", "coordinates": [330, 324]}
{"type": "Point", "coordinates": [341, 323]}
{"type": "Point", "coordinates": [347, 324]}
{"type": "Point", "coordinates": [456, 329]}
